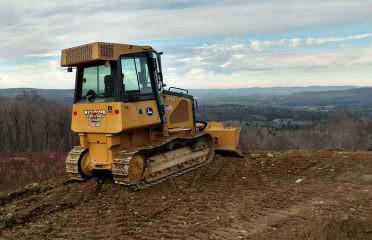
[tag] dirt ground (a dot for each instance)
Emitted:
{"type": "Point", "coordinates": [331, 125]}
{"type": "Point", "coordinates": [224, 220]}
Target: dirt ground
{"type": "Point", "coordinates": [18, 169]}
{"type": "Point", "coordinates": [293, 195]}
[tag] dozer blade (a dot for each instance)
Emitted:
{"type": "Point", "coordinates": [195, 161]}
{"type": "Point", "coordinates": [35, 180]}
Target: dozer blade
{"type": "Point", "coordinates": [226, 139]}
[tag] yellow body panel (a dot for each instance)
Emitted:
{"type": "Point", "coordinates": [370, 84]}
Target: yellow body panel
{"type": "Point", "coordinates": [106, 128]}
{"type": "Point", "coordinates": [103, 147]}
{"type": "Point", "coordinates": [97, 118]}
{"type": "Point", "coordinates": [179, 111]}
{"type": "Point", "coordinates": [113, 117]}
{"type": "Point", "coordinates": [136, 115]}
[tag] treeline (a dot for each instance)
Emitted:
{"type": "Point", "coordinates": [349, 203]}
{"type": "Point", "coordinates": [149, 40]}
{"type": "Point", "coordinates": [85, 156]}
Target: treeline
{"type": "Point", "coordinates": [340, 130]}
{"type": "Point", "coordinates": [280, 129]}
{"type": "Point", "coordinates": [226, 112]}
{"type": "Point", "coordinates": [29, 122]}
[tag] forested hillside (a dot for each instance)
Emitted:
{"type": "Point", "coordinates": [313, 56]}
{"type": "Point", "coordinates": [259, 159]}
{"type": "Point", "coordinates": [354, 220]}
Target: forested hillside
{"type": "Point", "coordinates": [29, 122]}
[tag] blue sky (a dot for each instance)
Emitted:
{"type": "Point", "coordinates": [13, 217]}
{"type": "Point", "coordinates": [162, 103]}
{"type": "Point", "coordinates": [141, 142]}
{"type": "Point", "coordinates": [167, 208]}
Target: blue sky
{"type": "Point", "coordinates": [206, 44]}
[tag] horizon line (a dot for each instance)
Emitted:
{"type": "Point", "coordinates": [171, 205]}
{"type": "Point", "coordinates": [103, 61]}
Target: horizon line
{"type": "Point", "coordinates": [310, 86]}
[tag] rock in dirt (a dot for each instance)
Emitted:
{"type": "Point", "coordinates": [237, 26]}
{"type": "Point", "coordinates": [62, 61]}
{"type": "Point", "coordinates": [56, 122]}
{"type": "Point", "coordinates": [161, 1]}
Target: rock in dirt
{"type": "Point", "coordinates": [255, 155]}
{"type": "Point", "coordinates": [298, 181]}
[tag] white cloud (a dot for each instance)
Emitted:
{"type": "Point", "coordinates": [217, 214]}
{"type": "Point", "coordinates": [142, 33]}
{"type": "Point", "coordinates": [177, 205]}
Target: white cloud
{"type": "Point", "coordinates": [258, 45]}
{"type": "Point", "coordinates": [263, 45]}
{"type": "Point", "coordinates": [30, 28]}
{"type": "Point", "coordinates": [43, 55]}
{"type": "Point", "coordinates": [230, 65]}
{"type": "Point", "coordinates": [224, 65]}
{"type": "Point", "coordinates": [320, 41]}
{"type": "Point", "coordinates": [44, 74]}
{"type": "Point", "coordinates": [253, 59]}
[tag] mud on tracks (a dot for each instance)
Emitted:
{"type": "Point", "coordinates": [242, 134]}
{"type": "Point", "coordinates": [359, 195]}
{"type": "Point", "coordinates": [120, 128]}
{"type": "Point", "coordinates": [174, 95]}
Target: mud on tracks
{"type": "Point", "coordinates": [291, 195]}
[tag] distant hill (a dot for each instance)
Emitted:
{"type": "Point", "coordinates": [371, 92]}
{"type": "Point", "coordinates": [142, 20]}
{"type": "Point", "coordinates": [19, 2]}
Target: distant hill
{"type": "Point", "coordinates": [237, 92]}
{"type": "Point", "coordinates": [351, 97]}
{"type": "Point", "coordinates": [273, 97]}
{"type": "Point", "coordinates": [355, 97]}
{"type": "Point", "coordinates": [64, 95]}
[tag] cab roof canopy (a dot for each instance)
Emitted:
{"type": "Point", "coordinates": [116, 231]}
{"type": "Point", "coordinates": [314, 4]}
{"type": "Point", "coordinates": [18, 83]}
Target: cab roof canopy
{"type": "Point", "coordinates": [98, 51]}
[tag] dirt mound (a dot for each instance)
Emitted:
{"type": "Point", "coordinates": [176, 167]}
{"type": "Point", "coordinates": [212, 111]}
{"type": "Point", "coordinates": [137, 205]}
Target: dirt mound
{"type": "Point", "coordinates": [291, 195]}
{"type": "Point", "coordinates": [339, 226]}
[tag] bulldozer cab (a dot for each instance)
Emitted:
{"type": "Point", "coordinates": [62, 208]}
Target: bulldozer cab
{"type": "Point", "coordinates": [130, 79]}
{"type": "Point", "coordinates": [133, 77]}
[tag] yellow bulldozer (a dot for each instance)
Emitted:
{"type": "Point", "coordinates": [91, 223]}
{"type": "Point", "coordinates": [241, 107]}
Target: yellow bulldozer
{"type": "Point", "coordinates": [129, 125]}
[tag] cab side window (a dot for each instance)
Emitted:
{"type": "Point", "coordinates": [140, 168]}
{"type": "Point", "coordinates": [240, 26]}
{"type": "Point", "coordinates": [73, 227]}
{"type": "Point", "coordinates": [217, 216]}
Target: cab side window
{"type": "Point", "coordinates": [136, 76]}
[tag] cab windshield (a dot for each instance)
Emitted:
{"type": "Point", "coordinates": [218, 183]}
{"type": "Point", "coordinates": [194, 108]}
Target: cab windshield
{"type": "Point", "coordinates": [97, 81]}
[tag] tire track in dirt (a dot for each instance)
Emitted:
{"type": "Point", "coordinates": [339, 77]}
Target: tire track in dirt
{"type": "Point", "coordinates": [227, 199]}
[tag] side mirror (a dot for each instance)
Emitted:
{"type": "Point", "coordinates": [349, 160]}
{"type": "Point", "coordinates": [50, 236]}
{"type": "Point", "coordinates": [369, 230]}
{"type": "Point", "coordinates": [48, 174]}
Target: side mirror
{"type": "Point", "coordinates": [69, 69]}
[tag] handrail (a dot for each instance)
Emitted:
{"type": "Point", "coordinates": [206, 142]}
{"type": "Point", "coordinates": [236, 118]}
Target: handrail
{"type": "Point", "coordinates": [182, 89]}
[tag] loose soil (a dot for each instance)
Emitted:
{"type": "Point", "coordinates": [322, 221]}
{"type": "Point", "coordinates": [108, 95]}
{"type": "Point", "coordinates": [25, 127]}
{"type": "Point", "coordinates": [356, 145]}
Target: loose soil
{"type": "Point", "coordinates": [292, 195]}
{"type": "Point", "coordinates": [18, 169]}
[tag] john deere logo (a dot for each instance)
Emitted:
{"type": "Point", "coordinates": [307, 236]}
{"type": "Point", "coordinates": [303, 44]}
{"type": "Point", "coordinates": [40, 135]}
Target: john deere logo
{"type": "Point", "coordinates": [94, 117]}
{"type": "Point", "coordinates": [149, 111]}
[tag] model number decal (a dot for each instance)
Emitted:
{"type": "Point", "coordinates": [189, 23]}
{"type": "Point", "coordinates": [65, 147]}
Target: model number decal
{"type": "Point", "coordinates": [170, 98]}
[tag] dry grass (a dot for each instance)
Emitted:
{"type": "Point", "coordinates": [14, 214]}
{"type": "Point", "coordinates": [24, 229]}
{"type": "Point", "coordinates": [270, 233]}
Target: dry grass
{"type": "Point", "coordinates": [19, 169]}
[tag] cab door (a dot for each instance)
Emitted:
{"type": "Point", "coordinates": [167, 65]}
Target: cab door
{"type": "Point", "coordinates": [140, 103]}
